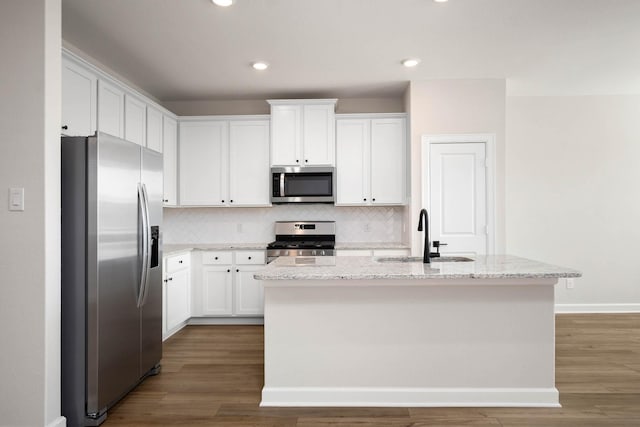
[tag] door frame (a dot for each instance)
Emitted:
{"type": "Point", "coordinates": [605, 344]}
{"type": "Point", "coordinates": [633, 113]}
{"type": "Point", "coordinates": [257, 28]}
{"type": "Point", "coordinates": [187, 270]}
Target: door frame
{"type": "Point", "coordinates": [490, 151]}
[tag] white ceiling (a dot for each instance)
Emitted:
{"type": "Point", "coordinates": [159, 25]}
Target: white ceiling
{"type": "Point", "coordinates": [193, 50]}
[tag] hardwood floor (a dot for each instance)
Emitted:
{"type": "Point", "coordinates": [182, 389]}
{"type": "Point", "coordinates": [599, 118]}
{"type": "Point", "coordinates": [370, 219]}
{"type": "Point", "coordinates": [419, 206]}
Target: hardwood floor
{"type": "Point", "coordinates": [212, 376]}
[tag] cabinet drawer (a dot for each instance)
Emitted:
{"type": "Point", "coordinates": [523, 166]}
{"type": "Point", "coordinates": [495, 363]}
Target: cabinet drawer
{"type": "Point", "coordinates": [178, 262]}
{"type": "Point", "coordinates": [250, 257]}
{"type": "Point", "coordinates": [217, 258]}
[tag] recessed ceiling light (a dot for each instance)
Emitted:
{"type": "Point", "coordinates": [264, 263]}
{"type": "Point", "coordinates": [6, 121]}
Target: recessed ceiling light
{"type": "Point", "coordinates": [440, 1]}
{"type": "Point", "coordinates": [260, 65]}
{"type": "Point", "coordinates": [223, 3]}
{"type": "Point", "coordinates": [411, 62]}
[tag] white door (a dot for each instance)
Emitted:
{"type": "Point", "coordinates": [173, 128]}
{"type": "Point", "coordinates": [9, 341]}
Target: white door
{"type": "Point", "coordinates": [177, 298]}
{"type": "Point", "coordinates": [458, 197]}
{"type": "Point", "coordinates": [110, 109]}
{"type": "Point", "coordinates": [249, 163]}
{"type": "Point", "coordinates": [154, 129]}
{"type": "Point", "coordinates": [170, 159]}
{"type": "Point", "coordinates": [353, 161]}
{"type": "Point", "coordinates": [79, 100]}
{"type": "Point", "coordinates": [203, 163]}
{"type": "Point", "coordinates": [249, 291]}
{"type": "Point", "coordinates": [286, 135]}
{"type": "Point", "coordinates": [217, 291]}
{"type": "Point", "coordinates": [318, 135]}
{"type": "Point", "coordinates": [388, 162]}
{"type": "Point", "coordinates": [135, 120]}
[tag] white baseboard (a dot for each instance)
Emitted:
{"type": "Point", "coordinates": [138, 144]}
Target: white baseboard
{"type": "Point", "coordinates": [597, 308]}
{"type": "Point", "coordinates": [410, 397]}
{"type": "Point", "coordinates": [58, 422]}
{"type": "Point", "coordinates": [226, 321]}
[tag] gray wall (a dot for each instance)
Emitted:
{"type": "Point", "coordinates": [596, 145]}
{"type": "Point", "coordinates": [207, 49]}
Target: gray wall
{"type": "Point", "coordinates": [260, 106]}
{"type": "Point", "coordinates": [30, 249]}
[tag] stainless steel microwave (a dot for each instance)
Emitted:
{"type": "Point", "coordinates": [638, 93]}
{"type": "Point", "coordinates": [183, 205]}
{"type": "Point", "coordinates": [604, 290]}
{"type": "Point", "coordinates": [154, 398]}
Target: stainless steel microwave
{"type": "Point", "coordinates": [308, 184]}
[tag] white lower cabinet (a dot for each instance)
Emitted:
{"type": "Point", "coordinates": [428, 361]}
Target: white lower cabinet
{"type": "Point", "coordinates": [176, 293]}
{"type": "Point", "coordinates": [228, 286]}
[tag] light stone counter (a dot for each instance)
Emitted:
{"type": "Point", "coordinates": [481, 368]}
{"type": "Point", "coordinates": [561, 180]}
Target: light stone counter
{"type": "Point", "coordinates": [369, 245]}
{"type": "Point", "coordinates": [174, 249]}
{"type": "Point", "coordinates": [366, 268]}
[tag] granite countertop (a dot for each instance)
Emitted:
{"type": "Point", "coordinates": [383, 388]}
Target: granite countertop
{"type": "Point", "coordinates": [173, 249]}
{"type": "Point", "coordinates": [359, 268]}
{"type": "Point", "coordinates": [375, 245]}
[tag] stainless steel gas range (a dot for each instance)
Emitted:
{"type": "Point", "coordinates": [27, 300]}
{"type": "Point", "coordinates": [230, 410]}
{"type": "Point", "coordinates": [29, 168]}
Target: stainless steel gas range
{"type": "Point", "coordinates": [303, 239]}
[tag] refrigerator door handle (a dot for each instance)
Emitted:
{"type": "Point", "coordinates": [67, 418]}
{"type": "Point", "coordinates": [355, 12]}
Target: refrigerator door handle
{"type": "Point", "coordinates": [148, 241]}
{"type": "Point", "coordinates": [144, 271]}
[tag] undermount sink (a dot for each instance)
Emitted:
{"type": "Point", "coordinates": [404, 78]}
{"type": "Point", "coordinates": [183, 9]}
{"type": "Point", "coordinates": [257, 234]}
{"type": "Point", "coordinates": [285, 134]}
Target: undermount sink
{"type": "Point", "coordinates": [419, 259]}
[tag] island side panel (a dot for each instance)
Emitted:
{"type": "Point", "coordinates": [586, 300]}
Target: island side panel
{"type": "Point", "coordinates": [486, 344]}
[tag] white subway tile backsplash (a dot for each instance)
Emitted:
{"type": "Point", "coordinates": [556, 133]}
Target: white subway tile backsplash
{"type": "Point", "coordinates": [238, 225]}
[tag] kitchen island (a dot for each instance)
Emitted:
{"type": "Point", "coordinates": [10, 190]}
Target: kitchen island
{"type": "Point", "coordinates": [361, 331]}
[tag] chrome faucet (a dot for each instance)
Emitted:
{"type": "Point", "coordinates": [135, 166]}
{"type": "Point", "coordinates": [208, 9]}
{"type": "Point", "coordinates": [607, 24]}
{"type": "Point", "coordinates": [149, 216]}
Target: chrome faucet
{"type": "Point", "coordinates": [427, 244]}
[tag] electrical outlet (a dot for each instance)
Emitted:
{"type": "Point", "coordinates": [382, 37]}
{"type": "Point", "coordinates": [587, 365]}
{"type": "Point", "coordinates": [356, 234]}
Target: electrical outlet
{"type": "Point", "coordinates": [239, 227]}
{"type": "Point", "coordinates": [570, 283]}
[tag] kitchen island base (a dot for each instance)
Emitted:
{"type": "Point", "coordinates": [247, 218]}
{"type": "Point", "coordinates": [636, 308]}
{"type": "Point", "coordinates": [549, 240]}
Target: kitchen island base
{"type": "Point", "coordinates": [410, 343]}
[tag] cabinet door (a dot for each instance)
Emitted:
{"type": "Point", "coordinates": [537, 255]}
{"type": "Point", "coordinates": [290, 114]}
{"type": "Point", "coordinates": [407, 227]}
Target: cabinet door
{"type": "Point", "coordinates": [135, 120]}
{"type": "Point", "coordinates": [286, 135]}
{"type": "Point", "coordinates": [154, 129]}
{"type": "Point", "coordinates": [249, 292]}
{"type": "Point", "coordinates": [249, 163]}
{"type": "Point", "coordinates": [178, 307]}
{"type": "Point", "coordinates": [353, 162]}
{"type": "Point", "coordinates": [217, 291]}
{"type": "Point", "coordinates": [318, 135]}
{"type": "Point", "coordinates": [110, 109]}
{"type": "Point", "coordinates": [170, 159]}
{"type": "Point", "coordinates": [388, 161]}
{"type": "Point", "coordinates": [79, 100]}
{"type": "Point", "coordinates": [203, 163]}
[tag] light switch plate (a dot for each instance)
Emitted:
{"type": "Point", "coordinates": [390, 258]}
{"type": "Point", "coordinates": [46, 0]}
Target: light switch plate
{"type": "Point", "coordinates": [16, 199]}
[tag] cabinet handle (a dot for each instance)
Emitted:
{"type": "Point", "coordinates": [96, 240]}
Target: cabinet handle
{"type": "Point", "coordinates": [170, 279]}
{"type": "Point", "coordinates": [237, 270]}
{"type": "Point", "coordinates": [364, 199]}
{"type": "Point", "coordinates": [223, 201]}
{"type": "Point", "coordinates": [249, 257]}
{"type": "Point", "coordinates": [180, 262]}
{"type": "Point", "coordinates": [373, 199]}
{"type": "Point", "coordinates": [228, 271]}
{"type": "Point", "coordinates": [297, 161]}
{"type": "Point", "coordinates": [230, 201]}
{"type": "Point", "coordinates": [216, 258]}
{"type": "Point", "coordinates": [65, 127]}
{"type": "Point", "coordinates": [306, 161]}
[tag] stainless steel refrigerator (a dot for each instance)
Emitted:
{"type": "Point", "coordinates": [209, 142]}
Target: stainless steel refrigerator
{"type": "Point", "coordinates": [111, 272]}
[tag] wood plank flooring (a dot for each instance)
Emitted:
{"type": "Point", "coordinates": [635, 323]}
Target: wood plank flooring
{"type": "Point", "coordinates": [212, 376]}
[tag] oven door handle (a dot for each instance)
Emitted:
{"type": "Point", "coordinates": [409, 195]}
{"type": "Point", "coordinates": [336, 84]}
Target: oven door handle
{"type": "Point", "coordinates": [282, 185]}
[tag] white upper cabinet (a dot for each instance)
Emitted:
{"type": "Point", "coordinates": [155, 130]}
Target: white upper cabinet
{"type": "Point", "coordinates": [371, 160]}
{"type": "Point", "coordinates": [249, 163]}
{"type": "Point", "coordinates": [135, 120]}
{"type": "Point", "coordinates": [154, 129]}
{"type": "Point", "coordinates": [303, 132]}
{"type": "Point", "coordinates": [170, 159]}
{"type": "Point", "coordinates": [110, 109]}
{"type": "Point", "coordinates": [79, 100]}
{"type": "Point", "coordinates": [352, 161]}
{"type": "Point", "coordinates": [203, 169]}
{"type": "Point", "coordinates": [224, 162]}
{"type": "Point", "coordinates": [286, 129]}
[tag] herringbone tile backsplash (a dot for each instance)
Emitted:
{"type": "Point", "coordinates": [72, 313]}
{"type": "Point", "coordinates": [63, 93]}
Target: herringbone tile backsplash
{"type": "Point", "coordinates": [253, 225]}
